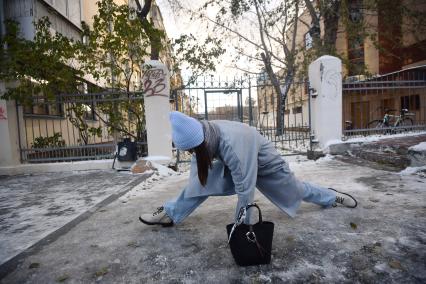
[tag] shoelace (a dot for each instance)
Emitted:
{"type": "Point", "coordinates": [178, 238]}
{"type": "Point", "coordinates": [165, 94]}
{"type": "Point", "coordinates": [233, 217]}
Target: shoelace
{"type": "Point", "coordinates": [159, 210]}
{"type": "Point", "coordinates": [339, 199]}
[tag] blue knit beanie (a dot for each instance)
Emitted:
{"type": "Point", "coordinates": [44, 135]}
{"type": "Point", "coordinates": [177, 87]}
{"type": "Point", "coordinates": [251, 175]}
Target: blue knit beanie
{"type": "Point", "coordinates": [187, 132]}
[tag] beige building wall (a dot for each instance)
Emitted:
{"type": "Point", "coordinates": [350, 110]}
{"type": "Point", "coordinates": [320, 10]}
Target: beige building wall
{"type": "Point", "coordinates": [90, 9]}
{"type": "Point", "coordinates": [371, 53]}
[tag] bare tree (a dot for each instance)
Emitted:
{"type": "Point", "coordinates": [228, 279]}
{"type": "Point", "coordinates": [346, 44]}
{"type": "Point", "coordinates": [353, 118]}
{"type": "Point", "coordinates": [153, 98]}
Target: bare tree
{"type": "Point", "coordinates": [259, 32]}
{"type": "Point", "coordinates": [155, 36]}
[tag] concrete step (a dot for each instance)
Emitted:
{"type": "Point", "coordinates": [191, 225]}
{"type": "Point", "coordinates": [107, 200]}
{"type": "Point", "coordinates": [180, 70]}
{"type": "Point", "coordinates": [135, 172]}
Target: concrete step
{"type": "Point", "coordinates": [386, 158]}
{"type": "Point", "coordinates": [395, 152]}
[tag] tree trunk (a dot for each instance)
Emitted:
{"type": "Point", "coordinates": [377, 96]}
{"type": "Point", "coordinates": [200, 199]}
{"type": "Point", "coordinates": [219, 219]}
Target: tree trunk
{"type": "Point", "coordinates": [331, 15]}
{"type": "Point", "coordinates": [276, 84]}
{"type": "Point", "coordinates": [150, 30]}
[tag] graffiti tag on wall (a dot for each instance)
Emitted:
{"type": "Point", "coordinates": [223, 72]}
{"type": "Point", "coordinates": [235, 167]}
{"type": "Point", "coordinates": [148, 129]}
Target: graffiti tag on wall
{"type": "Point", "coordinates": [154, 83]}
{"type": "Point", "coordinates": [3, 113]}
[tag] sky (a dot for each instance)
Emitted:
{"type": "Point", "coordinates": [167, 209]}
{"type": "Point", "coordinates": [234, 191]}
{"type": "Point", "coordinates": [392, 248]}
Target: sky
{"type": "Point", "coordinates": [177, 25]}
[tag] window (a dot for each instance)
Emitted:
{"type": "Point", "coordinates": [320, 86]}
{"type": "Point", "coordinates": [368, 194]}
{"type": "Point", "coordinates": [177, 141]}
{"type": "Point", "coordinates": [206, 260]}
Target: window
{"type": "Point", "coordinates": [265, 103]}
{"type": "Point", "coordinates": [297, 110]}
{"type": "Point", "coordinates": [90, 107]}
{"type": "Point", "coordinates": [89, 111]}
{"type": "Point", "coordinates": [42, 106]}
{"type": "Point", "coordinates": [308, 41]}
{"type": "Point", "coordinates": [411, 102]}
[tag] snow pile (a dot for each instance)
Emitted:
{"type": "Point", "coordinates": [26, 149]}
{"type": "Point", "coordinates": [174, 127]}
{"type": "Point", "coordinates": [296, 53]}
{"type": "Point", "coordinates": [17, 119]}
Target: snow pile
{"type": "Point", "coordinates": [374, 138]}
{"type": "Point", "coordinates": [157, 175]}
{"type": "Point", "coordinates": [326, 158]}
{"type": "Point", "coordinates": [413, 171]}
{"type": "Point", "coordinates": [184, 167]}
{"type": "Point", "coordinates": [332, 142]}
{"type": "Point", "coordinates": [421, 147]}
{"type": "Point", "coordinates": [162, 170]}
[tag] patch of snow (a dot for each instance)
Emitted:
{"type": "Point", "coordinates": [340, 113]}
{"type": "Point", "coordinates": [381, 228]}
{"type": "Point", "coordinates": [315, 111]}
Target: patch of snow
{"type": "Point", "coordinates": [163, 170]}
{"type": "Point", "coordinates": [326, 158]}
{"type": "Point", "coordinates": [157, 158]}
{"type": "Point", "coordinates": [373, 138]}
{"type": "Point", "coordinates": [160, 173]}
{"type": "Point", "coordinates": [382, 267]}
{"type": "Point", "coordinates": [419, 147]}
{"type": "Point", "coordinates": [412, 170]}
{"type": "Point", "coordinates": [332, 142]}
{"type": "Point", "coordinates": [265, 278]}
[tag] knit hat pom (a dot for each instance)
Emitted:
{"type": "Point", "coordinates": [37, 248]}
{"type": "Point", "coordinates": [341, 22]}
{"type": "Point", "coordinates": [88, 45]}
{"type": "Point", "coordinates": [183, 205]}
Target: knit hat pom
{"type": "Point", "coordinates": [187, 132]}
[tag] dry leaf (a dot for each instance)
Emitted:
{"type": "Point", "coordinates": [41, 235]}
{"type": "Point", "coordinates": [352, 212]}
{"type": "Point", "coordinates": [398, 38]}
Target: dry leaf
{"type": "Point", "coordinates": [34, 265]}
{"type": "Point", "coordinates": [395, 264]}
{"type": "Point", "coordinates": [62, 278]}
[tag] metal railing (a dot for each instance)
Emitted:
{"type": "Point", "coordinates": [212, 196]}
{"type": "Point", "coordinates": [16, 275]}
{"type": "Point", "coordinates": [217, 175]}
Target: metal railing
{"type": "Point", "coordinates": [397, 99]}
{"type": "Point", "coordinates": [72, 127]}
{"type": "Point", "coordinates": [251, 100]}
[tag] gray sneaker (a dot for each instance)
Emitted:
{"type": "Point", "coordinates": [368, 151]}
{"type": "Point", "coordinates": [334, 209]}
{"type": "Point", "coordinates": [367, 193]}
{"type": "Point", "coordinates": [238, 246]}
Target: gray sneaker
{"type": "Point", "coordinates": [344, 199]}
{"type": "Point", "coordinates": [159, 217]}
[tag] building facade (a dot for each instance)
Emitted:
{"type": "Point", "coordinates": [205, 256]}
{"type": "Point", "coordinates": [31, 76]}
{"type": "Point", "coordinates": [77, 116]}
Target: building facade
{"type": "Point", "coordinates": [377, 55]}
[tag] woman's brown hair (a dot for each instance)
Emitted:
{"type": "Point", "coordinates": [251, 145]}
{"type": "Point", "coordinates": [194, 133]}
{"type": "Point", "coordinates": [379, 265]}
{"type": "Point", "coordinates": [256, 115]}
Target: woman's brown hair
{"type": "Point", "coordinates": [203, 162]}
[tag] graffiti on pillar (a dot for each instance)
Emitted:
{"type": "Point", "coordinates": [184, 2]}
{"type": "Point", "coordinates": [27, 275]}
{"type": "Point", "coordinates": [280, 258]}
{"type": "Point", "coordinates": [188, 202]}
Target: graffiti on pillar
{"type": "Point", "coordinates": [154, 83]}
{"type": "Point", "coordinates": [2, 113]}
{"type": "Point", "coordinates": [333, 79]}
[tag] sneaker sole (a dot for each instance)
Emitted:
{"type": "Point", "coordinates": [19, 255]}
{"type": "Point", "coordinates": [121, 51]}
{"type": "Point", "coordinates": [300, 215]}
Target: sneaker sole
{"type": "Point", "coordinates": [347, 194]}
{"type": "Point", "coordinates": [156, 223]}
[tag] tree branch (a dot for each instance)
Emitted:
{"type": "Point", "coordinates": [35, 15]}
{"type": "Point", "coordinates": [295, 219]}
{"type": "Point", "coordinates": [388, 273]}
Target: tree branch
{"type": "Point", "coordinates": [143, 12]}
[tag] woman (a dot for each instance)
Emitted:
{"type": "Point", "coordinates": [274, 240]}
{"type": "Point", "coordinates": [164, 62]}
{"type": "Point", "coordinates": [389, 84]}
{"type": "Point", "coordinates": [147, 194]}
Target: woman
{"type": "Point", "coordinates": [233, 158]}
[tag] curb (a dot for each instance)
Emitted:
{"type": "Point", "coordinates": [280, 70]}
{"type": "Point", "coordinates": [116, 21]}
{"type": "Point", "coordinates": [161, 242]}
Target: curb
{"type": "Point", "coordinates": [399, 157]}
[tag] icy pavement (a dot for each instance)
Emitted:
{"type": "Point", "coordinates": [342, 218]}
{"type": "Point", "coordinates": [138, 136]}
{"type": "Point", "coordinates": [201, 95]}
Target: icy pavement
{"type": "Point", "coordinates": [383, 240]}
{"type": "Point", "coordinates": [34, 206]}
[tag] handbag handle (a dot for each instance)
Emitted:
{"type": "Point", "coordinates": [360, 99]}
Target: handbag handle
{"type": "Point", "coordinates": [242, 214]}
{"type": "Point", "coordinates": [244, 209]}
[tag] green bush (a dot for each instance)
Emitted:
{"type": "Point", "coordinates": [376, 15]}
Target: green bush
{"type": "Point", "coordinates": [49, 141]}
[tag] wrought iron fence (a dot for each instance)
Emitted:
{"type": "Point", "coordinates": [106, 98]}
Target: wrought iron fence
{"type": "Point", "coordinates": [251, 100]}
{"type": "Point", "coordinates": [72, 127]}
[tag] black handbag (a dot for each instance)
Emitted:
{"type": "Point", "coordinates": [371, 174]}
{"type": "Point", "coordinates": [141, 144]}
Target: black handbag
{"type": "Point", "coordinates": [250, 244]}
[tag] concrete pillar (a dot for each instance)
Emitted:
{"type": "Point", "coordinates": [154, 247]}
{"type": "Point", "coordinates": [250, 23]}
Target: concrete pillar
{"type": "Point", "coordinates": [325, 76]}
{"type": "Point", "coordinates": [156, 85]}
{"type": "Point", "coordinates": [9, 140]}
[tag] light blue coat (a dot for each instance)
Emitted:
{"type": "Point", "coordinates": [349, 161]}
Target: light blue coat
{"type": "Point", "coordinates": [245, 160]}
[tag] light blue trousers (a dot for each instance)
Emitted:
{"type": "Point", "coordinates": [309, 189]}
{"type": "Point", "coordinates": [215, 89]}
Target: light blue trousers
{"type": "Point", "coordinates": [273, 186]}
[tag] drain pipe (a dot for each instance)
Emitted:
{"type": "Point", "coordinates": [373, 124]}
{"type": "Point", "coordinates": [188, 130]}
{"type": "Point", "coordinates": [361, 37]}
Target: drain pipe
{"type": "Point", "coordinates": [310, 91]}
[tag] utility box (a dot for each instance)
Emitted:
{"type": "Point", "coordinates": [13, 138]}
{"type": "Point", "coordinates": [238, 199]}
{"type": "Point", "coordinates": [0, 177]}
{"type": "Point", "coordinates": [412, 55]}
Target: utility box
{"type": "Point", "coordinates": [127, 151]}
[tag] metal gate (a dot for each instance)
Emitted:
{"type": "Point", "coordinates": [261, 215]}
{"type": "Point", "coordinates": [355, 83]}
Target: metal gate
{"type": "Point", "coordinates": [73, 127]}
{"type": "Point", "coordinates": [251, 100]}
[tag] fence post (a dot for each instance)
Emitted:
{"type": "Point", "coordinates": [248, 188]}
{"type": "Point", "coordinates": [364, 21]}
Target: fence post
{"type": "Point", "coordinates": [325, 76]}
{"type": "Point", "coordinates": [156, 82]}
